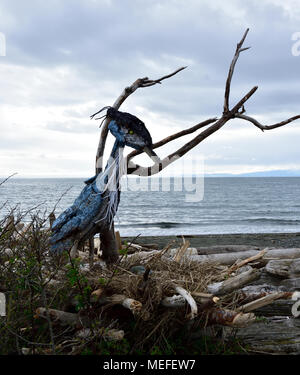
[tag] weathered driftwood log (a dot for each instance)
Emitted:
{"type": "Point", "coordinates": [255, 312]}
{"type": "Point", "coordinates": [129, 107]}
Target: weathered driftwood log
{"type": "Point", "coordinates": [280, 307]}
{"type": "Point", "coordinates": [116, 299]}
{"type": "Point", "coordinates": [143, 256]}
{"type": "Point", "coordinates": [226, 259]}
{"type": "Point", "coordinates": [266, 278]}
{"type": "Point", "coordinates": [291, 284]}
{"type": "Point", "coordinates": [109, 334]}
{"type": "Point", "coordinates": [229, 318]}
{"type": "Point", "coordinates": [291, 253]}
{"type": "Point", "coordinates": [286, 268]}
{"type": "Point", "coordinates": [129, 303]}
{"type": "Point", "coordinates": [178, 253]}
{"type": "Point", "coordinates": [177, 301]}
{"type": "Point", "coordinates": [231, 258]}
{"type": "Point", "coordinates": [263, 301]}
{"type": "Point", "coordinates": [134, 248]}
{"type": "Point", "coordinates": [221, 249]}
{"type": "Point", "coordinates": [64, 318]}
{"type": "Point", "coordinates": [251, 293]}
{"type": "Point", "coordinates": [271, 335]}
{"type": "Point", "coordinates": [242, 263]}
{"type": "Point", "coordinates": [233, 283]}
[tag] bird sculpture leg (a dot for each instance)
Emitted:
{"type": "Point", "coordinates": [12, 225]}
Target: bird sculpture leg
{"type": "Point", "coordinates": [109, 245]}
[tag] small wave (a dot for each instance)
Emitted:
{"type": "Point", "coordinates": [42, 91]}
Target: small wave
{"type": "Point", "coordinates": [273, 221]}
{"type": "Point", "coordinates": [161, 224]}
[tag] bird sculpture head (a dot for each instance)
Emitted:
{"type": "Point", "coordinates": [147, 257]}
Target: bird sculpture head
{"type": "Point", "coordinates": [129, 130]}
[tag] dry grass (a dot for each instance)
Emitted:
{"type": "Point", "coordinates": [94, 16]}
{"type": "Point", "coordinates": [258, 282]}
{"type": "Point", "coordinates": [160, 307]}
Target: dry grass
{"type": "Point", "coordinates": [31, 278]}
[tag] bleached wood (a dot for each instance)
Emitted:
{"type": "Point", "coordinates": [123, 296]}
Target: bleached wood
{"type": "Point", "coordinates": [233, 283]}
{"type": "Point", "coordinates": [286, 268]}
{"type": "Point", "coordinates": [181, 252]}
{"type": "Point", "coordinates": [229, 318]}
{"type": "Point", "coordinates": [114, 335]}
{"type": "Point", "coordinates": [129, 303]}
{"type": "Point", "coordinates": [254, 305]}
{"type": "Point", "coordinates": [174, 301]}
{"type": "Point", "coordinates": [65, 318]}
{"type": "Point", "coordinates": [245, 261]}
{"type": "Point", "coordinates": [190, 300]}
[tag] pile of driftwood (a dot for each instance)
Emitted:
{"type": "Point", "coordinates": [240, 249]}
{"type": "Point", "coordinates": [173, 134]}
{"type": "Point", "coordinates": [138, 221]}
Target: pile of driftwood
{"type": "Point", "coordinates": [240, 290]}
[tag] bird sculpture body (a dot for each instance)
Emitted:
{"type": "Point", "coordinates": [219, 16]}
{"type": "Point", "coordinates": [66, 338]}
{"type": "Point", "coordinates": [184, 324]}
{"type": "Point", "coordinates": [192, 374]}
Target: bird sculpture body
{"type": "Point", "coordinates": [94, 209]}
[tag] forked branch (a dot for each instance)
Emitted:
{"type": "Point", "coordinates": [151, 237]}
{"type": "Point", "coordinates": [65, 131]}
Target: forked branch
{"type": "Point", "coordinates": [175, 136]}
{"type": "Point", "coordinates": [266, 127]}
{"type": "Point", "coordinates": [238, 50]}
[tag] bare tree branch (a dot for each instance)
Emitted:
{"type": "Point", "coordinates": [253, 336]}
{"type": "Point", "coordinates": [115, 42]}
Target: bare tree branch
{"type": "Point", "coordinates": [174, 136]}
{"type": "Point", "coordinates": [239, 49]}
{"type": "Point", "coordinates": [7, 178]}
{"type": "Point", "coordinates": [153, 82]}
{"type": "Point", "coordinates": [266, 127]}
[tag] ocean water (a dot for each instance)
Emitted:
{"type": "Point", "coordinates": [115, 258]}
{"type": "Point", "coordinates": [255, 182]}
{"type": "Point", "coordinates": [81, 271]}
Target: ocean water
{"type": "Point", "coordinates": [229, 205]}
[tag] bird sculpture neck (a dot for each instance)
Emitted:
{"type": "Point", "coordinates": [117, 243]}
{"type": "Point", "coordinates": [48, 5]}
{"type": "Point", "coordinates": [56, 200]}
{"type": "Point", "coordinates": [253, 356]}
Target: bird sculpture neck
{"type": "Point", "coordinates": [111, 175]}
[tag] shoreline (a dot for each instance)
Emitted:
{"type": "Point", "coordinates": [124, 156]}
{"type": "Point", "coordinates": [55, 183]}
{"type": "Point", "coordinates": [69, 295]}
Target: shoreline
{"type": "Point", "coordinates": [279, 240]}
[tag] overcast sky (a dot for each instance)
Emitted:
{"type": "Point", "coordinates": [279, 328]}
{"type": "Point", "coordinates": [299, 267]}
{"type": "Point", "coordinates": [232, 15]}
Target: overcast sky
{"type": "Point", "coordinates": [67, 59]}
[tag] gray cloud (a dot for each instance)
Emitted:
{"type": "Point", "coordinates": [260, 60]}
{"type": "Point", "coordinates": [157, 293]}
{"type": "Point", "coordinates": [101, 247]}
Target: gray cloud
{"type": "Point", "coordinates": [67, 59]}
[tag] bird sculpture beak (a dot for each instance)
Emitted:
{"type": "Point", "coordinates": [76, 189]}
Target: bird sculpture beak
{"type": "Point", "coordinates": [153, 156]}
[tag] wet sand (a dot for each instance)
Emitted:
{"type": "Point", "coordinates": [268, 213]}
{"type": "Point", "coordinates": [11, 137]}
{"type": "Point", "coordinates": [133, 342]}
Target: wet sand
{"type": "Point", "coordinates": [261, 240]}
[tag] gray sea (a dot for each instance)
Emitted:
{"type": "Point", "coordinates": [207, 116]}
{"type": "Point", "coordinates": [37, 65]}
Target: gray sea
{"type": "Point", "coordinates": [229, 205]}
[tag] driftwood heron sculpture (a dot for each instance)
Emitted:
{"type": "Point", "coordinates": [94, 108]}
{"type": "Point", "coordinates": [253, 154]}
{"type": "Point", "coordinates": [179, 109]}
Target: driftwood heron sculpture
{"type": "Point", "coordinates": [97, 204]}
{"type": "Point", "coordinates": [93, 210]}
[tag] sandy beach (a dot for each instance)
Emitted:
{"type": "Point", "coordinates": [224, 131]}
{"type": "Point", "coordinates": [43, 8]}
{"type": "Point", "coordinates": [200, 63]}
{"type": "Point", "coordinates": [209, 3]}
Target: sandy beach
{"type": "Point", "coordinates": [278, 240]}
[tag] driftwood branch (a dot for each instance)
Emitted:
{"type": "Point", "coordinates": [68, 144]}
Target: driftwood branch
{"type": "Point", "coordinates": [65, 318]}
{"type": "Point", "coordinates": [238, 50]}
{"type": "Point", "coordinates": [233, 283]}
{"type": "Point", "coordinates": [229, 318]}
{"type": "Point", "coordinates": [232, 257]}
{"type": "Point", "coordinates": [172, 137]}
{"type": "Point", "coordinates": [246, 261]}
{"type": "Point", "coordinates": [266, 300]}
{"type": "Point", "coordinates": [7, 178]}
{"type": "Point", "coordinates": [266, 127]}
{"type": "Point", "coordinates": [190, 300]}
{"type": "Point", "coordinates": [129, 303]}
